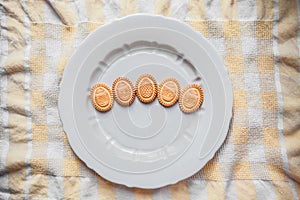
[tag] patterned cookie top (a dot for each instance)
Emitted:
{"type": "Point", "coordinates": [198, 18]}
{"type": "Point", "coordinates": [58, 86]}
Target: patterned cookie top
{"type": "Point", "coordinates": [146, 88]}
{"type": "Point", "coordinates": [123, 91]}
{"type": "Point", "coordinates": [191, 98]}
{"type": "Point", "coordinates": [101, 96]}
{"type": "Point", "coordinates": [168, 92]}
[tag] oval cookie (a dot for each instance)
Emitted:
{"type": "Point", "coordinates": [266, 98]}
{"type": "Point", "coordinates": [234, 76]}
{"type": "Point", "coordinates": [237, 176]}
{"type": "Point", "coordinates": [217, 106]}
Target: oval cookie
{"type": "Point", "coordinates": [146, 88]}
{"type": "Point", "coordinates": [102, 97]}
{"type": "Point", "coordinates": [191, 98]}
{"type": "Point", "coordinates": [168, 92]}
{"type": "Point", "coordinates": [123, 91]}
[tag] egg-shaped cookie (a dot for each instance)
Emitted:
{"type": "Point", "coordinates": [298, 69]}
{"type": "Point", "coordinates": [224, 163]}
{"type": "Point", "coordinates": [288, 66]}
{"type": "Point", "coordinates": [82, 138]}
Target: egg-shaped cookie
{"type": "Point", "coordinates": [146, 88]}
{"type": "Point", "coordinates": [191, 98]}
{"type": "Point", "coordinates": [123, 91]}
{"type": "Point", "coordinates": [102, 97]}
{"type": "Point", "coordinates": [168, 92]}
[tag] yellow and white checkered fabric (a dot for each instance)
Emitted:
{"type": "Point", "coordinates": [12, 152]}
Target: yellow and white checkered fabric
{"type": "Point", "coordinates": [259, 42]}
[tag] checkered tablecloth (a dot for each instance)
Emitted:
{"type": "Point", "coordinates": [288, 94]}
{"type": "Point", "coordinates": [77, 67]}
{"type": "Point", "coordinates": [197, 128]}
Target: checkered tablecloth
{"type": "Point", "coordinates": [259, 41]}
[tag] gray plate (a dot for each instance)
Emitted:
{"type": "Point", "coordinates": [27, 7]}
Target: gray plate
{"type": "Point", "coordinates": [145, 145]}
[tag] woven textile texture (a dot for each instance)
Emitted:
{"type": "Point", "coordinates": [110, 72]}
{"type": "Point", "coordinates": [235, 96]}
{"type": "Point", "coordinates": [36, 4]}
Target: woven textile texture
{"type": "Point", "coordinates": [259, 42]}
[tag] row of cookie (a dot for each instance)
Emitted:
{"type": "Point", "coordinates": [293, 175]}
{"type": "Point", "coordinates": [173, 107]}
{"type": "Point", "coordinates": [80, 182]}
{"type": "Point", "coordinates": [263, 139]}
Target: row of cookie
{"type": "Point", "coordinates": [146, 89]}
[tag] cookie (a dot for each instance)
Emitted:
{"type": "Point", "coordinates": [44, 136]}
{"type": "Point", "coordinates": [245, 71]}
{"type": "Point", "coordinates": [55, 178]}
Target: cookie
{"type": "Point", "coordinates": [102, 97]}
{"type": "Point", "coordinates": [168, 92]}
{"type": "Point", "coordinates": [191, 98]}
{"type": "Point", "coordinates": [146, 88]}
{"type": "Point", "coordinates": [123, 91]}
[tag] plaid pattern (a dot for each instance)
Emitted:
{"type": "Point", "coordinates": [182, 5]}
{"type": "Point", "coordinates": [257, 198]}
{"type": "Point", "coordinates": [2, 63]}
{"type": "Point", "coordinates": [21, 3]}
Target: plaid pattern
{"type": "Point", "coordinates": [256, 160]}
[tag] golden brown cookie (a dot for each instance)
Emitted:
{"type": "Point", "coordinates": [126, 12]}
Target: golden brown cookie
{"type": "Point", "coordinates": [191, 98]}
{"type": "Point", "coordinates": [123, 90]}
{"type": "Point", "coordinates": [168, 92]}
{"type": "Point", "coordinates": [102, 97]}
{"type": "Point", "coordinates": [146, 88]}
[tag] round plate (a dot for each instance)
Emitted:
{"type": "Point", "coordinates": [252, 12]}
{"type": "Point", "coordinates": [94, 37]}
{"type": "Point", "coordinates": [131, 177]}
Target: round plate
{"type": "Point", "coordinates": [145, 145]}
